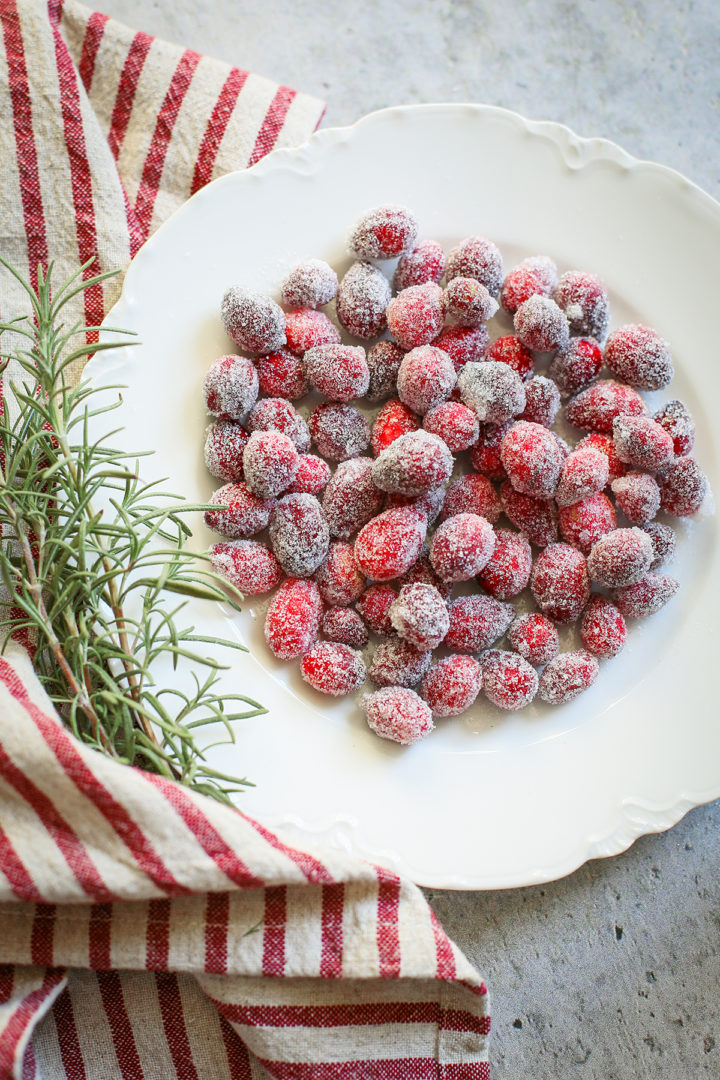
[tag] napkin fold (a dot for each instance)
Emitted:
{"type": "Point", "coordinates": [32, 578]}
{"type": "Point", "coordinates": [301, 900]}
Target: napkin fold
{"type": "Point", "coordinates": [147, 931]}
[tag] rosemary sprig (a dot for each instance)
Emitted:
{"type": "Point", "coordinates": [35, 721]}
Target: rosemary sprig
{"type": "Point", "coordinates": [92, 556]}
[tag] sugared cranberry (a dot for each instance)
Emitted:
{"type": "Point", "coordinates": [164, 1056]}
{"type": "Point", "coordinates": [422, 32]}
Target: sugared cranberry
{"type": "Point", "coordinates": [677, 420]}
{"type": "Point", "coordinates": [576, 365]}
{"type": "Point", "coordinates": [683, 487]}
{"type": "Point", "coordinates": [339, 372]}
{"type": "Point", "coordinates": [299, 535]}
{"type": "Point", "coordinates": [420, 616]}
{"type": "Point", "coordinates": [476, 623]}
{"type": "Point", "coordinates": [416, 315]}
{"type": "Point", "coordinates": [507, 572]}
{"type": "Point", "coordinates": [422, 572]}
{"type": "Point", "coordinates": [339, 431]}
{"type": "Point", "coordinates": [468, 302]}
{"type": "Point", "coordinates": [246, 513]}
{"type": "Point", "coordinates": [638, 496]}
{"type": "Point", "coordinates": [350, 498]}
{"type": "Point", "coordinates": [413, 464]}
{"type": "Point", "coordinates": [463, 344]}
{"type": "Point", "coordinates": [605, 444]}
{"type": "Point", "coordinates": [537, 518]}
{"type": "Point", "coordinates": [584, 522]}
{"type": "Point", "coordinates": [642, 443]}
{"type": "Point", "coordinates": [345, 626]}
{"type": "Point", "coordinates": [363, 295]}
{"type": "Point", "coordinates": [461, 546]}
{"type": "Point", "coordinates": [595, 408]}
{"type": "Point", "coordinates": [663, 542]}
{"type": "Point", "coordinates": [544, 270]}
{"type": "Point", "coordinates": [398, 663]}
{"type": "Point", "coordinates": [393, 420]}
{"type": "Point", "coordinates": [374, 606]}
{"type": "Point", "coordinates": [560, 582]}
{"type": "Point", "coordinates": [310, 284]}
{"type": "Point", "coordinates": [274, 414]}
{"type": "Point", "coordinates": [584, 473]}
{"type": "Point", "coordinates": [306, 328]}
{"type": "Point", "coordinates": [293, 618]}
{"type": "Point", "coordinates": [398, 714]}
{"type": "Point", "coordinates": [531, 459]}
{"type": "Point", "coordinates": [312, 475]}
{"type": "Point", "coordinates": [426, 262]}
{"type": "Point", "coordinates": [338, 578]}
{"type": "Point", "coordinates": [568, 675]}
{"type": "Point", "coordinates": [476, 257]}
{"type": "Point", "coordinates": [639, 356]}
{"type": "Point", "coordinates": [620, 557]}
{"type": "Point", "coordinates": [535, 638]}
{"type": "Point", "coordinates": [485, 454]}
{"type": "Point", "coordinates": [247, 564]}
{"type": "Point", "coordinates": [224, 445]}
{"type": "Point", "coordinates": [383, 361]}
{"type": "Point", "coordinates": [519, 285]}
{"type": "Point", "coordinates": [230, 387]}
{"type": "Point", "coordinates": [430, 504]}
{"type": "Point", "coordinates": [542, 401]}
{"type": "Point", "coordinates": [492, 390]}
{"type": "Point", "coordinates": [389, 544]}
{"type": "Point", "coordinates": [584, 300]}
{"type": "Point", "coordinates": [508, 680]}
{"type": "Point", "coordinates": [452, 685]}
{"type": "Point", "coordinates": [472, 494]}
{"type": "Point", "coordinates": [333, 669]}
{"type": "Point", "coordinates": [603, 629]}
{"type": "Point", "coordinates": [384, 232]}
{"type": "Point", "coordinates": [270, 462]}
{"type": "Point", "coordinates": [282, 375]}
{"type": "Point", "coordinates": [646, 596]}
{"type": "Point", "coordinates": [454, 423]}
{"type": "Point", "coordinates": [510, 350]}
{"type": "Point", "coordinates": [254, 322]}
{"type": "Point", "coordinates": [541, 325]}
{"type": "Point", "coordinates": [426, 377]}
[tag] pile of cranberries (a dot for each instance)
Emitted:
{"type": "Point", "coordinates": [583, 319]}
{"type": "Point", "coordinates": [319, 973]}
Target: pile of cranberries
{"type": "Point", "coordinates": [372, 523]}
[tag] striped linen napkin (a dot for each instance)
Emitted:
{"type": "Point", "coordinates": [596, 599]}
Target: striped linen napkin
{"type": "Point", "coordinates": [146, 931]}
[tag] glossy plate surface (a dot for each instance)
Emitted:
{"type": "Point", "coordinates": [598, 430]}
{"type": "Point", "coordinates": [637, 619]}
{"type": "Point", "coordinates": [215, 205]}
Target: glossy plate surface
{"type": "Point", "coordinates": [490, 799]}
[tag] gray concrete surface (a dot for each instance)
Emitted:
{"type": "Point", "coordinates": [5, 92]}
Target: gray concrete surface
{"type": "Point", "coordinates": [614, 972]}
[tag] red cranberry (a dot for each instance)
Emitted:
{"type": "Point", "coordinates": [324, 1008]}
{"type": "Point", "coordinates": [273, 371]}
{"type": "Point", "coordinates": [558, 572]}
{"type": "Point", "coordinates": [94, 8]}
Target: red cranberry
{"type": "Point", "coordinates": [476, 258]}
{"type": "Point", "coordinates": [383, 361]}
{"type": "Point", "coordinates": [603, 629]}
{"type": "Point", "coordinates": [485, 454]}
{"type": "Point", "coordinates": [363, 295]}
{"type": "Point", "coordinates": [583, 298]}
{"type": "Point", "coordinates": [683, 487]}
{"type": "Point", "coordinates": [398, 663]}
{"type": "Point", "coordinates": [677, 420]}
{"type": "Point", "coordinates": [605, 444]}
{"type": "Point", "coordinates": [620, 557]}
{"type": "Point", "coordinates": [254, 322]}
{"type": "Point", "coordinates": [246, 513]}
{"type": "Point", "coordinates": [663, 542]}
{"type": "Point", "coordinates": [345, 626]}
{"type": "Point", "coordinates": [333, 669]}
{"type": "Point", "coordinates": [472, 494]}
{"type": "Point", "coordinates": [508, 681]}
{"type": "Point", "coordinates": [282, 375]}
{"type": "Point", "coordinates": [224, 445]}
{"type": "Point", "coordinates": [306, 328]}
{"type": "Point", "coordinates": [426, 262]}
{"type": "Point", "coordinates": [646, 596]}
{"type": "Point", "coordinates": [230, 387]}
{"type": "Point", "coordinates": [338, 578]}
{"type": "Point", "coordinates": [270, 462]}
{"type": "Point", "coordinates": [507, 572]}
{"type": "Point", "coordinates": [247, 564]}
{"type": "Point", "coordinates": [374, 606]}
{"type": "Point", "coordinates": [274, 414]}
{"type": "Point", "coordinates": [454, 423]}
{"type": "Point", "coordinates": [537, 518]}
{"type": "Point", "coordinates": [476, 623]}
{"type": "Point", "coordinates": [463, 344]}
{"type": "Point", "coordinates": [468, 302]}
{"type": "Point", "coordinates": [542, 401]}
{"type": "Point", "coordinates": [642, 443]}
{"type": "Point", "coordinates": [426, 377]}
{"type": "Point", "coordinates": [312, 475]}
{"type": "Point", "coordinates": [299, 535]}
{"type": "Point", "coordinates": [420, 616]}
{"type": "Point", "coordinates": [384, 232]}
{"type": "Point", "coordinates": [510, 350]}
{"type": "Point", "coordinates": [584, 473]}
{"type": "Point", "coordinates": [596, 407]}
{"type": "Point", "coordinates": [576, 365]}
{"type": "Point", "coordinates": [492, 390]}
{"type": "Point", "coordinates": [568, 675]}
{"type": "Point", "coordinates": [413, 464]}
{"type": "Point", "coordinates": [311, 284]}
{"type": "Point", "coordinates": [560, 582]}
{"type": "Point", "coordinates": [531, 459]}
{"type": "Point", "coordinates": [416, 315]}
{"type": "Point", "coordinates": [640, 357]}
{"type": "Point", "coordinates": [389, 544]}
{"type": "Point", "coordinates": [541, 325]}
{"type": "Point", "coordinates": [584, 522]}
{"type": "Point", "coordinates": [398, 714]}
{"type": "Point", "coordinates": [461, 546]}
{"type": "Point", "coordinates": [638, 496]}
{"type": "Point", "coordinates": [351, 499]}
{"type": "Point", "coordinates": [452, 685]}
{"type": "Point", "coordinates": [339, 372]}
{"type": "Point", "coordinates": [339, 431]}
{"type": "Point", "coordinates": [535, 638]}
{"type": "Point", "coordinates": [519, 285]}
{"type": "Point", "coordinates": [293, 618]}
{"type": "Point", "coordinates": [393, 420]}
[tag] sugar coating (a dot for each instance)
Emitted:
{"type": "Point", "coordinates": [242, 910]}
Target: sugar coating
{"type": "Point", "coordinates": [393, 420]}
{"type": "Point", "coordinates": [476, 257]}
{"type": "Point", "coordinates": [429, 505]}
{"type": "Point", "coordinates": [638, 496]}
{"type": "Point", "coordinates": [254, 321]}
{"type": "Point", "coordinates": [532, 459]}
{"type": "Point", "coordinates": [282, 375]}
{"type": "Point", "coordinates": [338, 577]}
{"type": "Point", "coordinates": [274, 414]}
{"type": "Point", "coordinates": [307, 328]}
{"type": "Point", "coordinates": [542, 401]}
{"type": "Point", "coordinates": [416, 315]}
{"type": "Point", "coordinates": [312, 475]}
{"type": "Point", "coordinates": [461, 546]}
{"type": "Point", "coordinates": [363, 295]}
{"type": "Point", "coordinates": [560, 583]}
{"type": "Point", "coordinates": [374, 607]}
{"type": "Point", "coordinates": [492, 390]}
{"type": "Point", "coordinates": [683, 487]}
{"type": "Point", "coordinates": [454, 423]}
{"type": "Point", "coordinates": [567, 676]}
{"type": "Point", "coordinates": [339, 372]}
{"type": "Point", "coordinates": [333, 668]}
{"type": "Point", "coordinates": [605, 443]}
{"type": "Point", "coordinates": [345, 626]}
{"type": "Point", "coordinates": [472, 494]}
{"type": "Point", "coordinates": [397, 714]}
{"type": "Point", "coordinates": [534, 637]}
{"type": "Point", "coordinates": [422, 571]}
{"type": "Point", "coordinates": [639, 356]}
{"type": "Point", "coordinates": [641, 442]}
{"type": "Point", "coordinates": [596, 407]}
{"type": "Point", "coordinates": [603, 630]}
{"type": "Point", "coordinates": [398, 663]}
{"type": "Point", "coordinates": [383, 232]}
{"type": "Point", "coordinates": [270, 462]}
{"type": "Point", "coordinates": [310, 284]}
{"type": "Point", "coordinates": [584, 522]}
{"type": "Point", "coordinates": [519, 285]}
{"type": "Point", "coordinates": [299, 535]}
{"type": "Point", "coordinates": [246, 513]}
{"type": "Point", "coordinates": [476, 623]}
{"type": "Point", "coordinates": [537, 518]}
{"type": "Point", "coordinates": [425, 378]}
{"type": "Point", "coordinates": [452, 685]}
{"type": "Point", "coordinates": [584, 473]}
{"type": "Point", "coordinates": [463, 344]}
{"type": "Point", "coordinates": [508, 680]}
{"type": "Point", "coordinates": [247, 564]}
{"type": "Point", "coordinates": [426, 262]}
{"type": "Point", "coordinates": [485, 454]}
{"type": "Point", "coordinates": [507, 571]}
{"type": "Point", "coordinates": [413, 464]}
{"type": "Point", "coordinates": [293, 618]}
{"type": "Point", "coordinates": [339, 431]}
{"type": "Point", "coordinates": [383, 360]}
{"type": "Point", "coordinates": [541, 325]}
{"type": "Point", "coordinates": [230, 386]}
{"type": "Point", "coordinates": [646, 596]}
{"type": "Point", "coordinates": [389, 544]}
{"type": "Point", "coordinates": [676, 419]}
{"type": "Point", "coordinates": [509, 350]}
{"type": "Point", "coordinates": [468, 302]}
{"type": "Point", "coordinates": [584, 299]}
{"type": "Point", "coordinates": [620, 557]}
{"type": "Point", "coordinates": [663, 542]}
{"type": "Point", "coordinates": [223, 452]}
{"type": "Point", "coordinates": [351, 498]}
{"type": "Point", "coordinates": [420, 616]}
{"type": "Point", "coordinates": [576, 365]}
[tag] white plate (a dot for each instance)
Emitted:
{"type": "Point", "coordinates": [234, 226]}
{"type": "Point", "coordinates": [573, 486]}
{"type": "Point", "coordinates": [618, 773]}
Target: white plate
{"type": "Point", "coordinates": [491, 799]}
